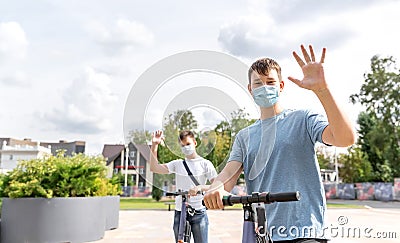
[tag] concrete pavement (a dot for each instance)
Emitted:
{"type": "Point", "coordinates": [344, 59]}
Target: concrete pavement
{"type": "Point", "coordinates": [371, 224]}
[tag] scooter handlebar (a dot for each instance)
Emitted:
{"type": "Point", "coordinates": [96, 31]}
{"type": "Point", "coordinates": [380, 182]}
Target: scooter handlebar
{"type": "Point", "coordinates": [264, 197]}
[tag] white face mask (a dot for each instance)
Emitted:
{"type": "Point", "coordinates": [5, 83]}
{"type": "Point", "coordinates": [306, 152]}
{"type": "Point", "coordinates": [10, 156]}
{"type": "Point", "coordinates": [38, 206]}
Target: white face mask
{"type": "Point", "coordinates": [188, 149]}
{"type": "Point", "coordinates": [266, 96]}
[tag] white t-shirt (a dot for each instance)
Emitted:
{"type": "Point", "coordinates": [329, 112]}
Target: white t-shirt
{"type": "Point", "coordinates": [201, 169]}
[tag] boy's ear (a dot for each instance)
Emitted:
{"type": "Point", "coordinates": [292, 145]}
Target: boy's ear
{"type": "Point", "coordinates": [281, 85]}
{"type": "Point", "coordinates": [249, 88]}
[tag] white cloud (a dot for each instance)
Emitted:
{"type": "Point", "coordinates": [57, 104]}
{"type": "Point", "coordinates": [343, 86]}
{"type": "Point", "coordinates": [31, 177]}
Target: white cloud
{"type": "Point", "coordinates": [88, 105]}
{"type": "Point", "coordinates": [13, 48]}
{"type": "Point", "coordinates": [13, 78]}
{"type": "Point", "coordinates": [13, 41]}
{"type": "Point", "coordinates": [270, 28]}
{"type": "Point", "coordinates": [208, 118]}
{"type": "Point", "coordinates": [124, 35]}
{"type": "Point", "coordinates": [295, 11]}
{"type": "Point", "coordinates": [258, 35]}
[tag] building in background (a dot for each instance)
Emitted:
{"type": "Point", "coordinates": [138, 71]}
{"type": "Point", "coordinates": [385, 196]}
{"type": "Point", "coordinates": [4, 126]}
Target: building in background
{"type": "Point", "coordinates": [114, 154]}
{"type": "Point", "coordinates": [76, 147]}
{"type": "Point", "coordinates": [12, 150]}
{"type": "Point", "coordinates": [10, 155]}
{"type": "Point", "coordinates": [139, 155]}
{"type": "Point", "coordinates": [136, 157]}
{"type": "Point", "coordinates": [13, 141]}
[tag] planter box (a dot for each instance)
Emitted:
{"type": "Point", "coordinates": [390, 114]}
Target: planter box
{"type": "Point", "coordinates": [111, 211]}
{"type": "Point", "coordinates": [78, 219]}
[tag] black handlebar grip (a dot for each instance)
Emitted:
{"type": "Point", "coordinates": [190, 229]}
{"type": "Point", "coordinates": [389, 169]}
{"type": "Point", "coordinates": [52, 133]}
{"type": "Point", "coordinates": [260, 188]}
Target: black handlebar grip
{"type": "Point", "coordinates": [169, 194]}
{"type": "Point", "coordinates": [226, 200]}
{"type": "Point", "coordinates": [284, 196]}
{"type": "Point", "coordinates": [263, 197]}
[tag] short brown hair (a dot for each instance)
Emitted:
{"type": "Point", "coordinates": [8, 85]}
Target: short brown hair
{"type": "Point", "coordinates": [186, 133]}
{"type": "Point", "coordinates": [264, 66]}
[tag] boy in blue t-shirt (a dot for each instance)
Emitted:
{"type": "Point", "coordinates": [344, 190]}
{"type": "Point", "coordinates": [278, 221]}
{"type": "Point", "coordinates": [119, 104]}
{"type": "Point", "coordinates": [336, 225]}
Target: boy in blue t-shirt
{"type": "Point", "coordinates": [277, 152]}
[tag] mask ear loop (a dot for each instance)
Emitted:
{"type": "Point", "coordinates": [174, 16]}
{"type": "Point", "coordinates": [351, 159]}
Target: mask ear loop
{"type": "Point", "coordinates": [266, 146]}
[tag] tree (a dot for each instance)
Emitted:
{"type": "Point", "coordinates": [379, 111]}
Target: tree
{"type": "Point", "coordinates": [181, 120]}
{"type": "Point", "coordinates": [367, 128]}
{"type": "Point", "coordinates": [223, 127]}
{"type": "Point", "coordinates": [139, 136]}
{"type": "Point", "coordinates": [323, 157]}
{"type": "Point", "coordinates": [173, 124]}
{"type": "Point", "coordinates": [205, 144]}
{"type": "Point", "coordinates": [225, 133]}
{"type": "Point", "coordinates": [380, 92]}
{"type": "Point", "coordinates": [355, 166]}
{"type": "Point", "coordinates": [239, 120]}
{"type": "Point", "coordinates": [221, 149]}
{"type": "Point", "coordinates": [379, 124]}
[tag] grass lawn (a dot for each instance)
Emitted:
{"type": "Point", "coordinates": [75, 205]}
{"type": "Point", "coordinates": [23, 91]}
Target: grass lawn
{"type": "Point", "coordinates": [149, 203]}
{"type": "Point", "coordinates": [143, 203]}
{"type": "Point", "coordinates": [342, 205]}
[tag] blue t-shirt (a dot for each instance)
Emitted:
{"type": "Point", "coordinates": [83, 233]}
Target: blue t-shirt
{"type": "Point", "coordinates": [278, 155]}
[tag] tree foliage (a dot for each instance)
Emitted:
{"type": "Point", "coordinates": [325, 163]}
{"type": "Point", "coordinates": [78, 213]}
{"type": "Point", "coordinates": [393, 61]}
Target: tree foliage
{"type": "Point", "coordinates": [324, 159]}
{"type": "Point", "coordinates": [355, 166]}
{"type": "Point", "coordinates": [139, 136]}
{"type": "Point", "coordinates": [379, 126]}
{"type": "Point", "coordinates": [225, 133]}
{"type": "Point", "coordinates": [239, 120]}
{"type": "Point", "coordinates": [380, 93]}
{"type": "Point", "coordinates": [213, 145]}
{"type": "Point", "coordinates": [173, 124]}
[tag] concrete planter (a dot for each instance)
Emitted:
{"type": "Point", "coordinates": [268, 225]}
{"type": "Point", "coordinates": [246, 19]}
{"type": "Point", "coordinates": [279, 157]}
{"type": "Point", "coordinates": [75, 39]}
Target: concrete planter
{"type": "Point", "coordinates": [111, 211]}
{"type": "Point", "coordinates": [78, 219]}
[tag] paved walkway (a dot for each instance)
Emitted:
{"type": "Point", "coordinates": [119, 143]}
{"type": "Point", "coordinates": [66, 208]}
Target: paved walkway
{"type": "Point", "coordinates": [371, 224]}
{"type": "Point", "coordinates": [369, 203]}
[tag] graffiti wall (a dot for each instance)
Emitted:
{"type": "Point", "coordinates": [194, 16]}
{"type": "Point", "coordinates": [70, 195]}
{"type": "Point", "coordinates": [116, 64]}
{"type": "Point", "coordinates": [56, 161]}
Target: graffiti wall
{"type": "Point", "coordinates": [330, 190]}
{"type": "Point", "coordinates": [365, 191]}
{"type": "Point", "coordinates": [346, 191]}
{"type": "Point", "coordinates": [396, 189]}
{"type": "Point", "coordinates": [383, 191]}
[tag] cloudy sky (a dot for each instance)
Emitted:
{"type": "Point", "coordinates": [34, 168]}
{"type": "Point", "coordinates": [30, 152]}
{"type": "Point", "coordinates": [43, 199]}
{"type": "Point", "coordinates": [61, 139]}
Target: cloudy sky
{"type": "Point", "coordinates": [67, 67]}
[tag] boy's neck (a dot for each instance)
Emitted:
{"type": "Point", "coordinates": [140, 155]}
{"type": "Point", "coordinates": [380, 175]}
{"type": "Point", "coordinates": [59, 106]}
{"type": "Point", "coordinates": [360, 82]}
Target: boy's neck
{"type": "Point", "coordinates": [270, 111]}
{"type": "Point", "coordinates": [192, 156]}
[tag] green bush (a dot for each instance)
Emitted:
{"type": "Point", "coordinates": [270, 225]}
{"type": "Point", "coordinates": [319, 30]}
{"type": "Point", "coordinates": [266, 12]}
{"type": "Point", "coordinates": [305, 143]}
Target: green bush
{"type": "Point", "coordinates": [108, 187]}
{"type": "Point", "coordinates": [121, 179]}
{"type": "Point", "coordinates": [156, 193]}
{"type": "Point", "coordinates": [59, 176]}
